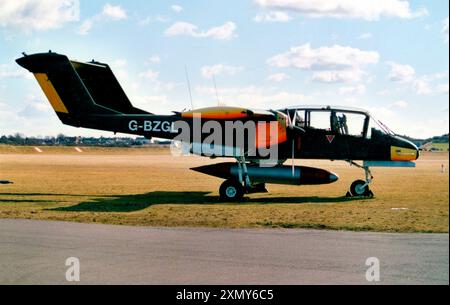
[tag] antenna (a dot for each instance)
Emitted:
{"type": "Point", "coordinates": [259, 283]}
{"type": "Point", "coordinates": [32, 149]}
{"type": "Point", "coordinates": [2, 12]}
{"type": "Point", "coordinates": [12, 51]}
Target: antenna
{"type": "Point", "coordinates": [189, 86]}
{"type": "Point", "coordinates": [215, 87]}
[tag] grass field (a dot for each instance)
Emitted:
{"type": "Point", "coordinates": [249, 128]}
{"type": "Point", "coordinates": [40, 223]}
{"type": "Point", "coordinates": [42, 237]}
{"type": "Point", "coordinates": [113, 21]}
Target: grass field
{"type": "Point", "coordinates": [149, 187]}
{"type": "Point", "coordinates": [440, 146]}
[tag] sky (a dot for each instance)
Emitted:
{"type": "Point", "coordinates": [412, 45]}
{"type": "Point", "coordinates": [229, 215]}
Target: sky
{"type": "Point", "coordinates": [390, 57]}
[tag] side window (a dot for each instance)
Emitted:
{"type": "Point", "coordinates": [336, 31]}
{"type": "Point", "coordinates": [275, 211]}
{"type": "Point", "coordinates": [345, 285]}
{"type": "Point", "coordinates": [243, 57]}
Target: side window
{"type": "Point", "coordinates": [345, 123]}
{"type": "Point", "coordinates": [350, 123]}
{"type": "Point", "coordinates": [319, 120]}
{"type": "Point", "coordinates": [375, 129]}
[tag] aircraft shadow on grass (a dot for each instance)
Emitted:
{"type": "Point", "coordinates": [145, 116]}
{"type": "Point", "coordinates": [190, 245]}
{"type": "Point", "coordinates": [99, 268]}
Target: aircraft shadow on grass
{"type": "Point", "coordinates": [131, 203]}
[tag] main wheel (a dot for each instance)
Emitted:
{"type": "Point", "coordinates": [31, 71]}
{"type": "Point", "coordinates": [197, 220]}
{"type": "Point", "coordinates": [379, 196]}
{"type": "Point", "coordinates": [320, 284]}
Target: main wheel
{"type": "Point", "coordinates": [359, 188]}
{"type": "Point", "coordinates": [231, 190]}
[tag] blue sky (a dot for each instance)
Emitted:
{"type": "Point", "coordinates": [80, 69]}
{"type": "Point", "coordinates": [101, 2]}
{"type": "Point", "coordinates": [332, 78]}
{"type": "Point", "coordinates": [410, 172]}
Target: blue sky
{"type": "Point", "coordinates": [390, 56]}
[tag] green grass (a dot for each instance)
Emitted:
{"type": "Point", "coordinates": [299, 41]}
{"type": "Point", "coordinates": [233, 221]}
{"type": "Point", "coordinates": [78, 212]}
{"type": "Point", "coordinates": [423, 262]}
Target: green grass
{"type": "Point", "coordinates": [440, 146]}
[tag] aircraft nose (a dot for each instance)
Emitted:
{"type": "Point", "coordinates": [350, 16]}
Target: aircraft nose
{"type": "Point", "coordinates": [413, 147]}
{"type": "Point", "coordinates": [404, 150]}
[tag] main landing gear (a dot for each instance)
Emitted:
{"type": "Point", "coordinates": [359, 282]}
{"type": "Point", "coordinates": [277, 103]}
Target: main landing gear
{"type": "Point", "coordinates": [231, 190]}
{"type": "Point", "coordinates": [234, 189]}
{"type": "Point", "coordinates": [360, 187]}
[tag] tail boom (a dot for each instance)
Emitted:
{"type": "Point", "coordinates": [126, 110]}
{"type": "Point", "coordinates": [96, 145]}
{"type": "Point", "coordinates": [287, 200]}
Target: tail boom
{"type": "Point", "coordinates": [80, 93]}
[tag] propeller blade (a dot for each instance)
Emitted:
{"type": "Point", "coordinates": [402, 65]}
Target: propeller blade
{"type": "Point", "coordinates": [293, 154]}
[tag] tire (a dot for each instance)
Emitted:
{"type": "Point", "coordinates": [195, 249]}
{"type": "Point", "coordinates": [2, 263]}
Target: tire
{"type": "Point", "coordinates": [356, 188]}
{"type": "Point", "coordinates": [231, 190]}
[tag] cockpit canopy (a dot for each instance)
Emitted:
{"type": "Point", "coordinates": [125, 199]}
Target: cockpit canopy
{"type": "Point", "coordinates": [338, 120]}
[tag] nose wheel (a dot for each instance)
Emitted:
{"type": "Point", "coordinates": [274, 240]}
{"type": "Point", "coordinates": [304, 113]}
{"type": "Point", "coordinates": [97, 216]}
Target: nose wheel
{"type": "Point", "coordinates": [361, 188]}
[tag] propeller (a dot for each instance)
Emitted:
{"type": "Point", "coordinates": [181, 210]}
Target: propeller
{"type": "Point", "coordinates": [293, 127]}
{"type": "Point", "coordinates": [291, 122]}
{"type": "Point", "coordinates": [293, 155]}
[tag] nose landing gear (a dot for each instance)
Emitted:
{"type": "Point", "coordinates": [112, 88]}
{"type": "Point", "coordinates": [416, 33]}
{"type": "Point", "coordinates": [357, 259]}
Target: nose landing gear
{"type": "Point", "coordinates": [361, 187]}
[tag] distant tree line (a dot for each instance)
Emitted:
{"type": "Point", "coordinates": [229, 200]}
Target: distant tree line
{"type": "Point", "coordinates": [436, 139]}
{"type": "Point", "coordinates": [439, 139]}
{"type": "Point", "coordinates": [62, 140]}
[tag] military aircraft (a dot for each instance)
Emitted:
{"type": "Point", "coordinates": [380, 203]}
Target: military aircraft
{"type": "Point", "coordinates": [88, 95]}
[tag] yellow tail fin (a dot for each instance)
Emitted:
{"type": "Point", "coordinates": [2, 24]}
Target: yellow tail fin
{"type": "Point", "coordinates": [51, 93]}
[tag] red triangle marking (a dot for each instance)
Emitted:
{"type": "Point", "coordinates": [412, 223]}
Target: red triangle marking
{"type": "Point", "coordinates": [330, 138]}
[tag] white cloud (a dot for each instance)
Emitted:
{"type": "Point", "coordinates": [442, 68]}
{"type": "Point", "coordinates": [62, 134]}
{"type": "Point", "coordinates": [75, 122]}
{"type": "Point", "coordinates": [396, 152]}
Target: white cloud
{"type": "Point", "coordinates": [119, 69]}
{"type": "Point", "coordinates": [277, 77]}
{"type": "Point", "coordinates": [150, 83]}
{"type": "Point", "coordinates": [159, 18]}
{"type": "Point", "coordinates": [276, 16]}
{"type": "Point", "coordinates": [389, 114]}
{"type": "Point", "coordinates": [361, 9]}
{"type": "Point", "coordinates": [359, 90]}
{"type": "Point", "coordinates": [108, 13]}
{"type": "Point", "coordinates": [37, 109]}
{"type": "Point", "coordinates": [85, 27]}
{"type": "Point", "coordinates": [145, 82]}
{"type": "Point", "coordinates": [145, 21]}
{"type": "Point", "coordinates": [114, 12]}
{"type": "Point", "coordinates": [324, 58]}
{"type": "Point", "coordinates": [338, 76]}
{"type": "Point", "coordinates": [401, 73]}
{"type": "Point", "coordinates": [149, 75]}
{"type": "Point", "coordinates": [332, 64]}
{"type": "Point", "coordinates": [442, 88]}
{"type": "Point", "coordinates": [422, 87]}
{"type": "Point", "coordinates": [436, 76]}
{"type": "Point", "coordinates": [154, 60]}
{"type": "Point", "coordinates": [29, 15]}
{"type": "Point", "coordinates": [445, 28]}
{"type": "Point", "coordinates": [365, 36]}
{"type": "Point", "coordinates": [119, 63]}
{"type": "Point", "coordinates": [223, 32]}
{"type": "Point", "coordinates": [181, 28]}
{"type": "Point", "coordinates": [251, 96]}
{"type": "Point", "coordinates": [162, 19]}
{"type": "Point", "coordinates": [399, 104]}
{"type": "Point", "coordinates": [176, 8]}
{"type": "Point", "coordinates": [218, 69]}
{"type": "Point", "coordinates": [7, 71]}
{"type": "Point", "coordinates": [152, 103]}
{"type": "Point", "coordinates": [384, 92]}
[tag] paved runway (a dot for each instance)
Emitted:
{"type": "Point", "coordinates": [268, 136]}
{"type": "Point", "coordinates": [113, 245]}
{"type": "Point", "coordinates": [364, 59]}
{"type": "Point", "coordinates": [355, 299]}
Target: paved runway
{"type": "Point", "coordinates": [34, 252]}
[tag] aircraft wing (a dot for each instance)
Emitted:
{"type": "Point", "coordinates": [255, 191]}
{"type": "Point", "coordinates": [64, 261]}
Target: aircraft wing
{"type": "Point", "coordinates": [228, 113]}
